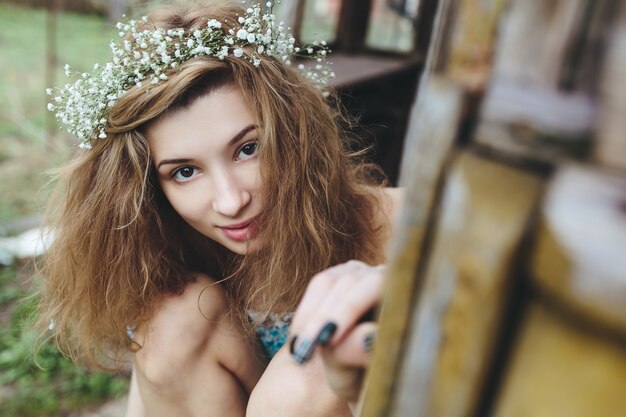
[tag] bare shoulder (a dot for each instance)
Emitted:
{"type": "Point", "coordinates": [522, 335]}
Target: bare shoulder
{"type": "Point", "coordinates": [395, 198]}
{"type": "Point", "coordinates": [208, 294]}
{"type": "Point", "coordinates": [178, 329]}
{"type": "Point", "coordinates": [193, 311]}
{"type": "Point", "coordinates": [390, 200]}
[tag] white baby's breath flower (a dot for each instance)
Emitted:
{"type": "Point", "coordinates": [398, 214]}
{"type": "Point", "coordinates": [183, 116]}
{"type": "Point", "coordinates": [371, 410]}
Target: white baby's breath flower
{"type": "Point", "coordinates": [242, 34]}
{"type": "Point", "coordinates": [223, 53]}
{"type": "Point", "coordinates": [146, 55]}
{"type": "Point", "coordinates": [214, 24]}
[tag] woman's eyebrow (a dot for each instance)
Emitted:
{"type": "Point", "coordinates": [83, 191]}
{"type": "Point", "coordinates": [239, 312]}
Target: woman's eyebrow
{"type": "Point", "coordinates": [173, 161]}
{"type": "Point", "coordinates": [243, 132]}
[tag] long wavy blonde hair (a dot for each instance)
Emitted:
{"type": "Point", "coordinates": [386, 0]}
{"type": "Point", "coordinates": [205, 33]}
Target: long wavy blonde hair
{"type": "Point", "coordinates": [119, 246]}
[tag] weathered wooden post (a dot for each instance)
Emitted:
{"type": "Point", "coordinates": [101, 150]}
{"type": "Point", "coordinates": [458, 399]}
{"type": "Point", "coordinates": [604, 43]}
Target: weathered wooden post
{"type": "Point", "coordinates": [507, 281]}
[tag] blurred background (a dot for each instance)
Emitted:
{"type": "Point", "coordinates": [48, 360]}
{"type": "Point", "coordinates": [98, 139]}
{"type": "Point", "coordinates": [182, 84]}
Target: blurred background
{"type": "Point", "coordinates": [376, 64]}
{"type": "Point", "coordinates": [515, 167]}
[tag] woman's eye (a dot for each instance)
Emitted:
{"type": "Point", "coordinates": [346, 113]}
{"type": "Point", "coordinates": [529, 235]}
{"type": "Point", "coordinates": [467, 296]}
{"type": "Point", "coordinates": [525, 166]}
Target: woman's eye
{"type": "Point", "coordinates": [247, 151]}
{"type": "Point", "coordinates": [184, 174]}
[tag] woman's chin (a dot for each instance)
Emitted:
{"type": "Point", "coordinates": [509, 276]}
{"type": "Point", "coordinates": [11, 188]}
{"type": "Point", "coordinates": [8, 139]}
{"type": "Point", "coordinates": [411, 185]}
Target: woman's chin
{"type": "Point", "coordinates": [246, 247]}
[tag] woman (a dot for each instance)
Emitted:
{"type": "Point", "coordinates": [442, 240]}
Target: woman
{"type": "Point", "coordinates": [214, 187]}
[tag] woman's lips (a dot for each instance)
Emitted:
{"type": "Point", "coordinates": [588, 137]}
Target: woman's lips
{"type": "Point", "coordinates": [239, 232]}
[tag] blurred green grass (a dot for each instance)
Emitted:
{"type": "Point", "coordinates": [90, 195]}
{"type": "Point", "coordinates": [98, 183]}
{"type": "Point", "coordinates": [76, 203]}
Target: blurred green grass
{"type": "Point", "coordinates": [26, 156]}
{"type": "Point", "coordinates": [26, 153]}
{"type": "Point", "coordinates": [26, 389]}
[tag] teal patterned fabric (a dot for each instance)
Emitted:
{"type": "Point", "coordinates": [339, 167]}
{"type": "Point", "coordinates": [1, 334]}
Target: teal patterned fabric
{"type": "Point", "coordinates": [272, 333]}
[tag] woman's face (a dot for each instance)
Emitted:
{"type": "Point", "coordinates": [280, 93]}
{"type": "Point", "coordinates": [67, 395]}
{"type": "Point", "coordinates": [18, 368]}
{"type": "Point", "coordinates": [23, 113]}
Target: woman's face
{"type": "Point", "coordinates": [206, 159]}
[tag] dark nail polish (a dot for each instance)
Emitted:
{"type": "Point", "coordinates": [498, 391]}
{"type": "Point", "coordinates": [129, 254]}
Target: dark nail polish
{"type": "Point", "coordinates": [326, 333]}
{"type": "Point", "coordinates": [304, 351]}
{"type": "Point", "coordinates": [292, 344]}
{"type": "Point", "coordinates": [368, 343]}
{"type": "Point", "coordinates": [369, 315]}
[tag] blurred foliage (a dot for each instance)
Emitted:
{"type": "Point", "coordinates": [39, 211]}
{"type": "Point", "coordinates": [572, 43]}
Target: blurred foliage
{"type": "Point", "coordinates": [57, 386]}
{"type": "Point", "coordinates": [79, 6]}
{"type": "Point", "coordinates": [26, 153]}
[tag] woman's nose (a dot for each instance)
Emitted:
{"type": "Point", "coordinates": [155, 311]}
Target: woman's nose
{"type": "Point", "coordinates": [231, 196]}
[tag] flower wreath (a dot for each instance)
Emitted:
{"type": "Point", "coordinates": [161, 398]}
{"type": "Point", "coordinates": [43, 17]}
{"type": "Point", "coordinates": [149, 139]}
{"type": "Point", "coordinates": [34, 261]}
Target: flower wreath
{"type": "Point", "coordinates": [147, 56]}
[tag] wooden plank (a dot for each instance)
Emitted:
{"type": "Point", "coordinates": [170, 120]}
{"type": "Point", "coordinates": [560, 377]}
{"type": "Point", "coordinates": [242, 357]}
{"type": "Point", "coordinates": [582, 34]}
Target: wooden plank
{"type": "Point", "coordinates": [559, 370]}
{"type": "Point", "coordinates": [552, 112]}
{"type": "Point", "coordinates": [584, 59]}
{"type": "Point", "coordinates": [424, 25]}
{"type": "Point", "coordinates": [485, 210]}
{"type": "Point", "coordinates": [611, 141]}
{"type": "Point", "coordinates": [440, 114]}
{"type": "Point", "coordinates": [549, 110]}
{"type": "Point", "coordinates": [535, 123]}
{"type": "Point", "coordinates": [580, 256]}
{"type": "Point", "coordinates": [438, 61]}
{"type": "Point", "coordinates": [351, 70]}
{"type": "Point", "coordinates": [352, 26]}
{"type": "Point", "coordinates": [535, 39]}
{"type": "Point", "coordinates": [472, 42]}
{"type": "Point", "coordinates": [464, 41]}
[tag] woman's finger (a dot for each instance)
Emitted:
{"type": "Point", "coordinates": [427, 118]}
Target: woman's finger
{"type": "Point", "coordinates": [354, 349]}
{"type": "Point", "coordinates": [315, 293]}
{"type": "Point", "coordinates": [344, 364]}
{"type": "Point", "coordinates": [357, 290]}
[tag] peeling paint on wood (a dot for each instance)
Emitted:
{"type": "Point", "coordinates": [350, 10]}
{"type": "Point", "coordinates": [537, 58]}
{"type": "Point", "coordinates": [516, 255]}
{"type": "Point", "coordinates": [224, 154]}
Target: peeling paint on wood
{"type": "Point", "coordinates": [559, 370]}
{"type": "Point", "coordinates": [611, 140]}
{"type": "Point", "coordinates": [580, 256]}
{"type": "Point", "coordinates": [485, 210]}
{"type": "Point", "coordinates": [440, 116]}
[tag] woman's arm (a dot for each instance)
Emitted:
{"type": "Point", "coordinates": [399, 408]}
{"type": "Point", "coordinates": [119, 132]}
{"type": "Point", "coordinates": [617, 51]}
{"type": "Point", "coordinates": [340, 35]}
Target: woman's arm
{"type": "Point", "coordinates": [334, 319]}
{"type": "Point", "coordinates": [335, 316]}
{"type": "Point", "coordinates": [192, 361]}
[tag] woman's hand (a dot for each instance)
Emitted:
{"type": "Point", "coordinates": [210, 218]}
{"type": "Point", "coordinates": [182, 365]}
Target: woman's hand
{"type": "Point", "coordinates": [335, 318]}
